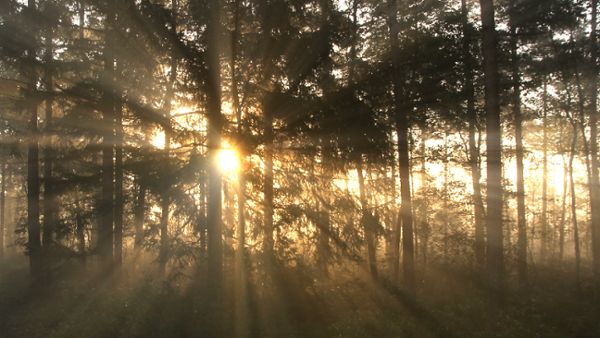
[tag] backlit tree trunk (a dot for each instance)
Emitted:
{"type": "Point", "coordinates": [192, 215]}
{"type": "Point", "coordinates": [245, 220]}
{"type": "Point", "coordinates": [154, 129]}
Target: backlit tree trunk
{"type": "Point", "coordinates": [33, 175]}
{"type": "Point", "coordinates": [595, 181]}
{"type": "Point", "coordinates": [50, 204]}
{"type": "Point", "coordinates": [478, 208]}
{"type": "Point", "coordinates": [516, 107]}
{"type": "Point", "coordinates": [495, 250]}
{"type": "Point", "coordinates": [366, 220]}
{"type": "Point", "coordinates": [215, 125]}
{"type": "Point", "coordinates": [401, 123]}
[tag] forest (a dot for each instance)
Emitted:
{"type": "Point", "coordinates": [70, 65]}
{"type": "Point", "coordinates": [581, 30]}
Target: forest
{"type": "Point", "coordinates": [299, 168]}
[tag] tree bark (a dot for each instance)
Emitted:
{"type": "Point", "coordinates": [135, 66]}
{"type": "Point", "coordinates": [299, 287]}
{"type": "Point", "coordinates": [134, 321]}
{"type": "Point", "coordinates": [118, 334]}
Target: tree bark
{"type": "Point", "coordinates": [106, 208]}
{"type": "Point", "coordinates": [495, 249]}
{"type": "Point", "coordinates": [215, 126]}
{"type": "Point", "coordinates": [478, 208]}
{"type": "Point", "coordinates": [165, 194]}
{"type": "Point", "coordinates": [2, 205]}
{"type": "Point", "coordinates": [516, 107]}
{"type": "Point", "coordinates": [119, 199]}
{"type": "Point", "coordinates": [139, 210]}
{"type": "Point", "coordinates": [401, 124]}
{"type": "Point", "coordinates": [544, 216]}
{"type": "Point", "coordinates": [574, 206]}
{"type": "Point", "coordinates": [33, 174]}
{"type": "Point", "coordinates": [595, 181]}
{"type": "Point", "coordinates": [366, 220]}
{"type": "Point", "coordinates": [268, 185]}
{"type": "Point", "coordinates": [50, 204]}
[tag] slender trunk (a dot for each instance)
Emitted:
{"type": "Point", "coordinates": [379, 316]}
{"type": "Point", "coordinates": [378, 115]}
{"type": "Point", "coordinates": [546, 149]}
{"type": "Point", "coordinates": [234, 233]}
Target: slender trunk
{"type": "Point", "coordinates": [563, 212]}
{"type": "Point", "coordinates": [401, 121]}
{"type": "Point", "coordinates": [241, 191]}
{"type": "Point", "coordinates": [242, 327]}
{"type": "Point", "coordinates": [106, 208]}
{"type": "Point", "coordinates": [595, 181]}
{"type": "Point", "coordinates": [366, 219]}
{"type": "Point", "coordinates": [544, 216]}
{"type": "Point", "coordinates": [119, 199]}
{"type": "Point", "coordinates": [478, 208]}
{"type": "Point", "coordinates": [2, 205]}
{"type": "Point", "coordinates": [140, 208]}
{"type": "Point", "coordinates": [215, 126]}
{"type": "Point", "coordinates": [446, 212]}
{"type": "Point", "coordinates": [80, 233]}
{"type": "Point", "coordinates": [495, 250]}
{"type": "Point", "coordinates": [50, 205]}
{"type": "Point", "coordinates": [521, 216]}
{"type": "Point", "coordinates": [165, 194]}
{"type": "Point", "coordinates": [424, 205]}
{"type": "Point", "coordinates": [33, 175]}
{"type": "Point", "coordinates": [574, 206]}
{"type": "Point", "coordinates": [268, 186]}
{"type": "Point", "coordinates": [394, 227]}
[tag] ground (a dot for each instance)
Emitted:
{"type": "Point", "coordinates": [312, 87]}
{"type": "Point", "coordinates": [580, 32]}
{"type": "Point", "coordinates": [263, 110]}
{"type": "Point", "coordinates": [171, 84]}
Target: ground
{"type": "Point", "coordinates": [137, 302]}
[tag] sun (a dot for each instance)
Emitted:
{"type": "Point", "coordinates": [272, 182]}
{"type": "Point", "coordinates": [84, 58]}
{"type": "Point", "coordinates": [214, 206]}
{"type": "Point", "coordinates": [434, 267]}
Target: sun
{"type": "Point", "coordinates": [228, 159]}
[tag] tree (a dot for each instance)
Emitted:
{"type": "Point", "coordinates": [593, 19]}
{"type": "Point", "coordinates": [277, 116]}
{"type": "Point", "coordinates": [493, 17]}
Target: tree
{"type": "Point", "coordinates": [495, 251]}
{"type": "Point", "coordinates": [401, 124]}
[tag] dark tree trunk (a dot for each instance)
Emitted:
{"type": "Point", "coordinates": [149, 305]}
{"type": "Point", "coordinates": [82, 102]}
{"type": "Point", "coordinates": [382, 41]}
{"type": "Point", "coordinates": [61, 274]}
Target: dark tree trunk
{"type": "Point", "coordinates": [165, 195]}
{"type": "Point", "coordinates": [139, 211]}
{"type": "Point", "coordinates": [401, 122]}
{"type": "Point", "coordinates": [495, 250]}
{"type": "Point", "coordinates": [425, 230]}
{"type": "Point", "coordinates": [80, 232]}
{"type": "Point", "coordinates": [521, 217]}
{"type": "Point", "coordinates": [119, 199]}
{"type": "Point", "coordinates": [595, 181]}
{"type": "Point", "coordinates": [478, 208]}
{"type": "Point", "coordinates": [563, 212]}
{"type": "Point", "coordinates": [268, 186]}
{"type": "Point", "coordinates": [544, 216]}
{"type": "Point", "coordinates": [574, 205]}
{"type": "Point", "coordinates": [367, 220]}
{"type": "Point", "coordinates": [446, 211]}
{"type": "Point", "coordinates": [106, 208]}
{"type": "Point", "coordinates": [2, 205]}
{"type": "Point", "coordinates": [50, 204]}
{"type": "Point", "coordinates": [33, 173]}
{"type": "Point", "coordinates": [215, 125]}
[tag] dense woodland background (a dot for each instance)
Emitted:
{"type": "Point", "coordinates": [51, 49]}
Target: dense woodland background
{"type": "Point", "coordinates": [299, 168]}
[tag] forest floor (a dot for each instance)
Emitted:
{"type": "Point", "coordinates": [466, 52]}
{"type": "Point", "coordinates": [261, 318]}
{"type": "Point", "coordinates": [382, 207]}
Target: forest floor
{"type": "Point", "coordinates": [134, 302]}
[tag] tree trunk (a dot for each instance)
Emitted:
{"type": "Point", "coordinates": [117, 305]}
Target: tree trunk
{"type": "Point", "coordinates": [446, 212]}
{"type": "Point", "coordinates": [595, 182]}
{"type": "Point", "coordinates": [106, 208]}
{"type": "Point", "coordinates": [139, 210]}
{"type": "Point", "coordinates": [119, 199]}
{"type": "Point", "coordinates": [495, 250]}
{"type": "Point", "coordinates": [215, 126]}
{"type": "Point", "coordinates": [563, 212]}
{"type": "Point", "coordinates": [478, 208]}
{"type": "Point", "coordinates": [574, 206]}
{"type": "Point", "coordinates": [425, 229]}
{"type": "Point", "coordinates": [268, 186]}
{"type": "Point", "coordinates": [544, 216]}
{"type": "Point", "coordinates": [165, 195]}
{"type": "Point", "coordinates": [50, 204]}
{"type": "Point", "coordinates": [2, 205]}
{"type": "Point", "coordinates": [80, 233]}
{"type": "Point", "coordinates": [366, 220]}
{"type": "Point", "coordinates": [33, 175]}
{"type": "Point", "coordinates": [401, 122]}
{"type": "Point", "coordinates": [521, 216]}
